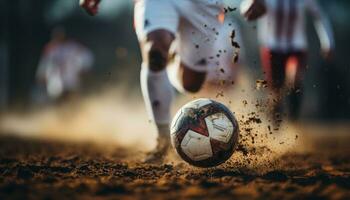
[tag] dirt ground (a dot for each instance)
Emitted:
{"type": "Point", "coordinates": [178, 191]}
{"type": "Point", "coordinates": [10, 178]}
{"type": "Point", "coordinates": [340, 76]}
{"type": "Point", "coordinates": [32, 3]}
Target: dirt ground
{"type": "Point", "coordinates": [44, 169]}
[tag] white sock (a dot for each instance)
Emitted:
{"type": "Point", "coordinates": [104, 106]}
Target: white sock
{"type": "Point", "coordinates": [158, 95]}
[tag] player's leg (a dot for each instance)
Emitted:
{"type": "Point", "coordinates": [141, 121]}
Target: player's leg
{"type": "Point", "coordinates": [156, 25]}
{"type": "Point", "coordinates": [182, 77]}
{"type": "Point", "coordinates": [155, 84]}
{"type": "Point", "coordinates": [274, 69]}
{"type": "Point", "coordinates": [191, 80]}
{"type": "Point", "coordinates": [156, 88]}
{"type": "Point", "coordinates": [296, 67]}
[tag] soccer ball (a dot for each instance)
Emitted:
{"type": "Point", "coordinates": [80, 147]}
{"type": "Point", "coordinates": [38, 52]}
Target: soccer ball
{"type": "Point", "coordinates": [204, 133]}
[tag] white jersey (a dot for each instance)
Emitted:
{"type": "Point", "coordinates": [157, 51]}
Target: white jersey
{"type": "Point", "coordinates": [61, 66]}
{"type": "Point", "coordinates": [283, 26]}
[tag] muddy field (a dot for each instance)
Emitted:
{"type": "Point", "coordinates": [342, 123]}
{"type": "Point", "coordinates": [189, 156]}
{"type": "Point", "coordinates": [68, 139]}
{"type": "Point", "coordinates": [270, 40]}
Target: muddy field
{"type": "Point", "coordinates": [44, 169]}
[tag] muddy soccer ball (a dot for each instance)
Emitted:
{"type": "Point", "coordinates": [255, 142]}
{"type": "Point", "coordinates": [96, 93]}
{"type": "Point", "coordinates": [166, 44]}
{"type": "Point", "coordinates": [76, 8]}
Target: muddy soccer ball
{"type": "Point", "coordinates": [204, 133]}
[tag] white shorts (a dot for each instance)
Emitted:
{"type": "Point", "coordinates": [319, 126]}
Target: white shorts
{"type": "Point", "coordinates": [195, 24]}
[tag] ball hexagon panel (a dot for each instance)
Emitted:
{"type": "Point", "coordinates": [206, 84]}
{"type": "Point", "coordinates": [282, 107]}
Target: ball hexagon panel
{"type": "Point", "coordinates": [196, 146]}
{"type": "Point", "coordinates": [219, 127]}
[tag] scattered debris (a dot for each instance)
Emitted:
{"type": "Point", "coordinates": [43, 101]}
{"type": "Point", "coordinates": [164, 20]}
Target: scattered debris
{"type": "Point", "coordinates": [229, 9]}
{"type": "Point", "coordinates": [261, 84]}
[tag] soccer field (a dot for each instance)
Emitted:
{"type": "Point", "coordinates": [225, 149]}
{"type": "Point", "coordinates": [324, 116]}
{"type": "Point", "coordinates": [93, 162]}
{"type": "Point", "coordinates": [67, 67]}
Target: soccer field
{"type": "Point", "coordinates": [38, 169]}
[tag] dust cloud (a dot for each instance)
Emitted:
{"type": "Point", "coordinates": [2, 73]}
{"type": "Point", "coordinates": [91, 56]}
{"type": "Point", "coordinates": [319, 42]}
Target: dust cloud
{"type": "Point", "coordinates": [105, 118]}
{"type": "Point", "coordinates": [121, 120]}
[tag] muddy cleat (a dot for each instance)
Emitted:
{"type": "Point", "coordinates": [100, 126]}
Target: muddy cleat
{"type": "Point", "coordinates": [163, 145]}
{"type": "Point", "coordinates": [159, 153]}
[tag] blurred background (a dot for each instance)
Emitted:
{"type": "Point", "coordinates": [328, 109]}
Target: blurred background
{"type": "Point", "coordinates": [99, 102]}
{"type": "Point", "coordinates": [113, 59]}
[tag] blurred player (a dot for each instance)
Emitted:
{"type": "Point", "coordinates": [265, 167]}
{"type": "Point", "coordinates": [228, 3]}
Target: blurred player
{"type": "Point", "coordinates": [62, 65]}
{"type": "Point", "coordinates": [283, 38]}
{"type": "Point", "coordinates": [187, 34]}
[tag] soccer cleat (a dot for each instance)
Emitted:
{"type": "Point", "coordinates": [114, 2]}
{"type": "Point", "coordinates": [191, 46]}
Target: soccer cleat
{"type": "Point", "coordinates": [157, 155]}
